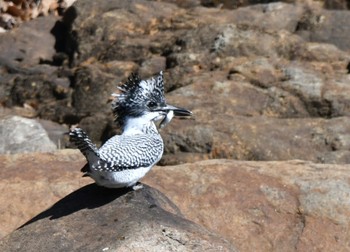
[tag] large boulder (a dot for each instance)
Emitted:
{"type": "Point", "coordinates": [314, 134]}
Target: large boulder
{"type": "Point", "coordinates": [99, 219]}
{"type": "Point", "coordinates": [21, 134]}
{"type": "Point", "coordinates": [263, 206]}
{"type": "Point", "coordinates": [254, 205]}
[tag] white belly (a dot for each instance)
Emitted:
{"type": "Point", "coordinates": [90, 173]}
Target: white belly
{"type": "Point", "coordinates": [119, 179]}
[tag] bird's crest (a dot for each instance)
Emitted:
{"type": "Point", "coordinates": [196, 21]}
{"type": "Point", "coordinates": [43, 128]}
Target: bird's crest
{"type": "Point", "coordinates": [136, 96]}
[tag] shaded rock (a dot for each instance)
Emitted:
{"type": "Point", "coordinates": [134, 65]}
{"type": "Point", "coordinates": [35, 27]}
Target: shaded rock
{"type": "Point", "coordinates": [326, 26]}
{"type": "Point", "coordinates": [23, 135]}
{"type": "Point", "coordinates": [94, 85]}
{"type": "Point", "coordinates": [95, 218]}
{"type": "Point", "coordinates": [31, 90]}
{"type": "Point", "coordinates": [92, 90]}
{"type": "Point", "coordinates": [263, 206]}
{"type": "Point", "coordinates": [97, 126]}
{"type": "Point", "coordinates": [30, 43]}
{"type": "Point", "coordinates": [43, 88]}
{"type": "Point", "coordinates": [120, 25]}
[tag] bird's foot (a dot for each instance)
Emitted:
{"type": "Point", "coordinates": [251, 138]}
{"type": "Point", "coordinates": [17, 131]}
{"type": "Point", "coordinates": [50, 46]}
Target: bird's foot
{"type": "Point", "coordinates": [137, 186]}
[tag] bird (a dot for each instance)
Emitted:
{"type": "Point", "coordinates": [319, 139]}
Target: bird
{"type": "Point", "coordinates": [140, 109]}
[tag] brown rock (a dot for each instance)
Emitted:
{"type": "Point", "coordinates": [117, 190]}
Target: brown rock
{"type": "Point", "coordinates": [263, 206]}
{"type": "Point", "coordinates": [241, 121]}
{"type": "Point", "coordinates": [35, 181]}
{"type": "Point", "coordinates": [94, 218]}
{"type": "Point", "coordinates": [272, 16]}
{"type": "Point", "coordinates": [89, 97]}
{"type": "Point", "coordinates": [255, 205]}
{"type": "Point", "coordinates": [245, 73]}
{"type": "Point", "coordinates": [30, 43]}
{"type": "Point", "coordinates": [94, 84]}
{"type": "Point", "coordinates": [120, 25]}
{"type": "Point", "coordinates": [152, 66]}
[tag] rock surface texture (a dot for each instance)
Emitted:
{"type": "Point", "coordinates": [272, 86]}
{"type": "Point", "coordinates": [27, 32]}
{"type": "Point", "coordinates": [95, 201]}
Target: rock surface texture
{"type": "Point", "coordinates": [265, 81]}
{"type": "Point", "coordinates": [99, 219]}
{"type": "Point", "coordinates": [19, 134]}
{"type": "Point", "coordinates": [33, 182]}
{"type": "Point", "coordinates": [265, 206]}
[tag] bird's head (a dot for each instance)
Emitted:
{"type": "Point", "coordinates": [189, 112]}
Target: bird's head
{"type": "Point", "coordinates": [144, 98]}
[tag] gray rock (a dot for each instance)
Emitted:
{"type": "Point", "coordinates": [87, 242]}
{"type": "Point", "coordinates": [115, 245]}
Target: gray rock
{"type": "Point", "coordinates": [326, 26]}
{"type": "Point", "coordinates": [56, 132]}
{"type": "Point", "coordinates": [272, 16]}
{"type": "Point", "coordinates": [99, 219]}
{"type": "Point", "coordinates": [19, 134]}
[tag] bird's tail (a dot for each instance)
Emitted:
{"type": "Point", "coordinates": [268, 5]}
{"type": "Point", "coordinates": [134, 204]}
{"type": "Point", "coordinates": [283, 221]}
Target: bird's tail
{"type": "Point", "coordinates": [83, 143]}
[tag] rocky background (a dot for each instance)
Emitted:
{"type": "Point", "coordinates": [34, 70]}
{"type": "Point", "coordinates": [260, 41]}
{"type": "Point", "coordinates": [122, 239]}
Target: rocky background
{"type": "Point", "coordinates": [266, 81]}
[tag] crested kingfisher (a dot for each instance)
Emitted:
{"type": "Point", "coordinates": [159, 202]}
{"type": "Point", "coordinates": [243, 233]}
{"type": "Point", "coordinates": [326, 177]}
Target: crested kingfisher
{"type": "Point", "coordinates": [124, 159]}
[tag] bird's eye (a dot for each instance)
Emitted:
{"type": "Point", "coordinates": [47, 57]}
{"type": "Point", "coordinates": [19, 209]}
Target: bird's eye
{"type": "Point", "coordinates": [152, 104]}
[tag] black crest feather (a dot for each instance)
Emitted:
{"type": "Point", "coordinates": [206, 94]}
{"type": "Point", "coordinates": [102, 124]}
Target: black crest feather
{"type": "Point", "coordinates": [135, 94]}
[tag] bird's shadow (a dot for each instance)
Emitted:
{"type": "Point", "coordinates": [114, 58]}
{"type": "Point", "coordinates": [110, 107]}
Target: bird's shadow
{"type": "Point", "coordinates": [87, 197]}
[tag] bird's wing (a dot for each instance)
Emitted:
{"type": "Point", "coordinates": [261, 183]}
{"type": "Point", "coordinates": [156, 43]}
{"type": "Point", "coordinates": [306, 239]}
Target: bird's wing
{"type": "Point", "coordinates": [129, 152]}
{"type": "Point", "coordinates": [83, 142]}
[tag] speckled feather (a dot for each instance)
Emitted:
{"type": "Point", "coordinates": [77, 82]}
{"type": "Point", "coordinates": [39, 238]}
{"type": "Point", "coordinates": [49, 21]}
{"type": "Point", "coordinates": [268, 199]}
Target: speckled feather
{"type": "Point", "coordinates": [121, 152]}
{"type": "Point", "coordinates": [130, 152]}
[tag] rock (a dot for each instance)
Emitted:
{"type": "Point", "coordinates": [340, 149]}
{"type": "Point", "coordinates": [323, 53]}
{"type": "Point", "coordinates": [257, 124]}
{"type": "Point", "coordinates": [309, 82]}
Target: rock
{"type": "Point", "coordinates": [255, 205]}
{"type": "Point", "coordinates": [31, 43]}
{"type": "Point", "coordinates": [40, 87]}
{"type": "Point", "coordinates": [337, 4]}
{"type": "Point", "coordinates": [266, 65]}
{"type": "Point", "coordinates": [263, 206]}
{"type": "Point", "coordinates": [326, 26]}
{"type": "Point", "coordinates": [121, 25]}
{"type": "Point", "coordinates": [272, 16]}
{"type": "Point", "coordinates": [229, 40]}
{"type": "Point", "coordinates": [244, 122]}
{"type": "Point", "coordinates": [152, 66]}
{"type": "Point", "coordinates": [24, 135]}
{"type": "Point", "coordinates": [25, 111]}
{"type": "Point", "coordinates": [57, 133]}
{"type": "Point", "coordinates": [43, 178]}
{"type": "Point", "coordinates": [94, 218]}
{"type": "Point", "coordinates": [92, 90]}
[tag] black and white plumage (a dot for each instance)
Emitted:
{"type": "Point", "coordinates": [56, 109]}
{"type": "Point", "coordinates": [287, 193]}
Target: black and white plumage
{"type": "Point", "coordinates": [124, 159]}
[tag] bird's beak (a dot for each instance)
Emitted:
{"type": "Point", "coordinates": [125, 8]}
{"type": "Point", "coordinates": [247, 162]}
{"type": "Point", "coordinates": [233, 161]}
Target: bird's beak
{"type": "Point", "coordinates": [171, 111]}
{"type": "Point", "coordinates": [176, 110]}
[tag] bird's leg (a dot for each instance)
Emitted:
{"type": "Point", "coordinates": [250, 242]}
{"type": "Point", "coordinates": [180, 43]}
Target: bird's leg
{"type": "Point", "coordinates": [137, 186]}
